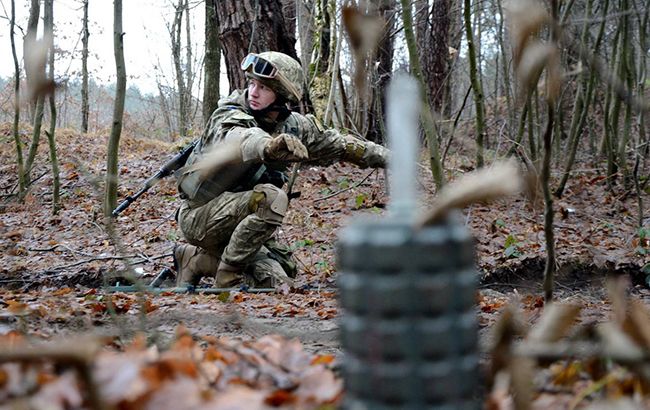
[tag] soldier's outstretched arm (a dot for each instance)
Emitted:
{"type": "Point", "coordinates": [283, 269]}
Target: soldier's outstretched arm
{"type": "Point", "coordinates": [329, 146]}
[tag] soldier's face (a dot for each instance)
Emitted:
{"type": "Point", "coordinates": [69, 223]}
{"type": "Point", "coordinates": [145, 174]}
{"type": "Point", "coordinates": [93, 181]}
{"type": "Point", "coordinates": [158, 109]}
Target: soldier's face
{"type": "Point", "coordinates": [259, 95]}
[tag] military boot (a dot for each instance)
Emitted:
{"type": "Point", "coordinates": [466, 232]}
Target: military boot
{"type": "Point", "coordinates": [228, 275]}
{"type": "Point", "coordinates": [192, 263]}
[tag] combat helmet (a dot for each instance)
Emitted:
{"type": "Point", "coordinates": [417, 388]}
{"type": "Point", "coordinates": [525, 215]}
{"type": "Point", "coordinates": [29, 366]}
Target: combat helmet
{"type": "Point", "coordinates": [276, 70]}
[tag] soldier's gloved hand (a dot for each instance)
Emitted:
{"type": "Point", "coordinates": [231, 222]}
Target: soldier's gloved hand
{"type": "Point", "coordinates": [285, 147]}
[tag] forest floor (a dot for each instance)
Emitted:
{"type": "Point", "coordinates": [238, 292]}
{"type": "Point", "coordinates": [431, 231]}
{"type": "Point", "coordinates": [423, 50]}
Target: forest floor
{"type": "Point", "coordinates": [270, 349]}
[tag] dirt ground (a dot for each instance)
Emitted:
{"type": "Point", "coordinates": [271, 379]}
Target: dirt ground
{"type": "Point", "coordinates": [53, 267]}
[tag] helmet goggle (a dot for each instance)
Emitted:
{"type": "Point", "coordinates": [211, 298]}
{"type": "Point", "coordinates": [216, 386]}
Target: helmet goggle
{"type": "Point", "coordinates": [261, 67]}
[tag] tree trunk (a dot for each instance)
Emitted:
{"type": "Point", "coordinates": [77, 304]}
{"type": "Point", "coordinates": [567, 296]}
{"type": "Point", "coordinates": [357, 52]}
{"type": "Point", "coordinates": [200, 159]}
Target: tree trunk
{"type": "Point", "coordinates": [422, 25]}
{"type": "Point", "coordinates": [626, 75]}
{"type": "Point", "coordinates": [331, 99]}
{"type": "Point", "coordinates": [305, 23]}
{"type": "Point", "coordinates": [454, 86]}
{"type": "Point", "coordinates": [423, 38]}
{"type": "Point", "coordinates": [324, 37]}
{"type": "Point", "coordinates": [549, 234]}
{"type": "Point", "coordinates": [110, 199]}
{"type": "Point", "coordinates": [426, 118]}
{"type": "Point", "coordinates": [28, 41]}
{"type": "Point", "coordinates": [476, 83]}
{"type": "Point", "coordinates": [166, 112]}
{"type": "Point", "coordinates": [289, 12]}
{"type": "Point", "coordinates": [440, 65]}
{"type": "Point", "coordinates": [376, 133]}
{"type": "Point", "coordinates": [84, 70]}
{"type": "Point", "coordinates": [505, 59]}
{"type": "Point", "coordinates": [49, 29]}
{"type": "Point", "coordinates": [251, 26]}
{"type": "Point", "coordinates": [189, 70]}
{"type": "Point", "coordinates": [176, 41]}
{"type": "Point", "coordinates": [19, 148]}
{"type": "Point", "coordinates": [212, 60]}
{"type": "Point", "coordinates": [37, 106]}
{"type": "Point", "coordinates": [576, 132]}
{"type": "Point", "coordinates": [36, 138]}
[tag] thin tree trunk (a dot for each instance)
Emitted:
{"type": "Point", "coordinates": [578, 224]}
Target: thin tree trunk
{"type": "Point", "coordinates": [84, 71]}
{"type": "Point", "coordinates": [505, 67]}
{"type": "Point", "coordinates": [343, 112]}
{"type": "Point", "coordinates": [612, 108]}
{"type": "Point", "coordinates": [440, 64]}
{"type": "Point", "coordinates": [329, 108]}
{"type": "Point", "coordinates": [305, 23]}
{"type": "Point", "coordinates": [521, 129]}
{"type": "Point", "coordinates": [625, 74]}
{"type": "Point", "coordinates": [476, 84]}
{"type": "Point", "coordinates": [36, 138]}
{"type": "Point", "coordinates": [382, 73]}
{"type": "Point", "coordinates": [422, 24]}
{"type": "Point", "coordinates": [549, 234]}
{"type": "Point", "coordinates": [175, 33]}
{"type": "Point", "coordinates": [166, 112]}
{"type": "Point", "coordinates": [324, 38]}
{"type": "Point", "coordinates": [454, 86]}
{"type": "Point", "coordinates": [577, 131]}
{"type": "Point", "coordinates": [426, 118]}
{"type": "Point", "coordinates": [110, 199]}
{"type": "Point", "coordinates": [19, 149]}
{"type": "Point", "coordinates": [37, 106]}
{"type": "Point", "coordinates": [49, 29]}
{"type": "Point", "coordinates": [212, 61]}
{"type": "Point", "coordinates": [189, 69]}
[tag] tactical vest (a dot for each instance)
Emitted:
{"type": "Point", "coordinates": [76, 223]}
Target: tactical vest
{"type": "Point", "coordinates": [237, 177]}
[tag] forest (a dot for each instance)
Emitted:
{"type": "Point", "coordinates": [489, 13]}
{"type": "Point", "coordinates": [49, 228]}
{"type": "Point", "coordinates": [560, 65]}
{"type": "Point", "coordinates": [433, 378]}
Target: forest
{"type": "Point", "coordinates": [529, 119]}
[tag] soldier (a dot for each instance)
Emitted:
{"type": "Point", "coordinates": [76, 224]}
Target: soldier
{"type": "Point", "coordinates": [228, 217]}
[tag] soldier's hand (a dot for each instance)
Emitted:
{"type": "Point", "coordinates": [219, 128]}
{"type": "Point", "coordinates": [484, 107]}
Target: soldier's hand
{"type": "Point", "coordinates": [285, 147]}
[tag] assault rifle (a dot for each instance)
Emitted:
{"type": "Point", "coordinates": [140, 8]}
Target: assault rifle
{"type": "Point", "coordinates": [166, 170]}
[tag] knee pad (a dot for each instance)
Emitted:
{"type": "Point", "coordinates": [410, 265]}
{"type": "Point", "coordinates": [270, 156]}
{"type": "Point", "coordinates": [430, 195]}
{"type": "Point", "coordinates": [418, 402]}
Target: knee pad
{"type": "Point", "coordinates": [269, 202]}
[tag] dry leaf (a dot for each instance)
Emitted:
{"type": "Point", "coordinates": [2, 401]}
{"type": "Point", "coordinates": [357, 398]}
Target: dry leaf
{"type": "Point", "coordinates": [62, 393]}
{"type": "Point", "coordinates": [364, 32]}
{"type": "Point", "coordinates": [556, 320]}
{"type": "Point", "coordinates": [179, 393]}
{"type": "Point", "coordinates": [522, 371]}
{"type": "Point", "coordinates": [535, 57]}
{"type": "Point", "coordinates": [618, 344]}
{"type": "Point", "coordinates": [567, 373]}
{"type": "Point", "coordinates": [220, 156]}
{"type": "Point", "coordinates": [617, 291]}
{"type": "Point", "coordinates": [319, 384]}
{"type": "Point", "coordinates": [35, 58]}
{"type": "Point", "coordinates": [637, 323]}
{"type": "Point", "coordinates": [239, 398]}
{"type": "Point", "coordinates": [526, 18]}
{"type": "Point", "coordinates": [500, 397]}
{"type": "Point", "coordinates": [507, 327]}
{"type": "Point", "coordinates": [486, 184]}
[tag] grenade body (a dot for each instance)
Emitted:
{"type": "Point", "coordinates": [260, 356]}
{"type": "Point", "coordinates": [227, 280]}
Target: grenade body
{"type": "Point", "coordinates": [408, 328]}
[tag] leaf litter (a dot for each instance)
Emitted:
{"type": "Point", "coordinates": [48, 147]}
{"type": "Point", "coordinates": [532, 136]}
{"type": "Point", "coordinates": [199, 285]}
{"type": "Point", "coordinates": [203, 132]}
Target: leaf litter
{"type": "Point", "coordinates": [270, 350]}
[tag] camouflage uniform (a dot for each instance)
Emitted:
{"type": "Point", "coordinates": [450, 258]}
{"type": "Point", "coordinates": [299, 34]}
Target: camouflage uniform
{"type": "Point", "coordinates": [230, 215]}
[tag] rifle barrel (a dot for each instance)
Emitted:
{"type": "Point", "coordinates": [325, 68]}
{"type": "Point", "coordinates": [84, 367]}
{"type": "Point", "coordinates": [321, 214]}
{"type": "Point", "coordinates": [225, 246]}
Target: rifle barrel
{"type": "Point", "coordinates": [172, 165]}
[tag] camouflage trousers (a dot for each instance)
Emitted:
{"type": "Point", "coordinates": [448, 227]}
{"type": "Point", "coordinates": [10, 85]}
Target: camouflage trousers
{"type": "Point", "coordinates": [227, 228]}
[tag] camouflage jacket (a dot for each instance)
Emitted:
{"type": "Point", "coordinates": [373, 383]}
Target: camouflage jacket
{"type": "Point", "coordinates": [232, 120]}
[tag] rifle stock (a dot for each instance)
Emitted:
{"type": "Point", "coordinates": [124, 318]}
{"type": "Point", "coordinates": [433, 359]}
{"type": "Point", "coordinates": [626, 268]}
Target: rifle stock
{"type": "Point", "coordinates": [166, 170]}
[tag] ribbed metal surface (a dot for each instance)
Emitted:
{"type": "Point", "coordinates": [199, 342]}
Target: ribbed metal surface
{"type": "Point", "coordinates": [408, 326]}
